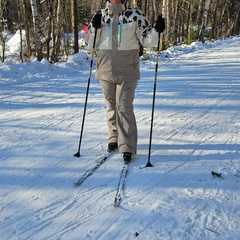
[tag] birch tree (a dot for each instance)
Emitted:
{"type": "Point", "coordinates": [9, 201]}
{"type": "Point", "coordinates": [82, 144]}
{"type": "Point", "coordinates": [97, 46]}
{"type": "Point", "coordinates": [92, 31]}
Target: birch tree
{"type": "Point", "coordinates": [166, 14]}
{"type": "Point", "coordinates": [37, 29]}
{"type": "Point", "coordinates": [50, 28]}
{"type": "Point", "coordinates": [58, 31]}
{"type": "Point", "coordinates": [204, 20]}
{"type": "Point", "coordinates": [23, 4]}
{"type": "Point", "coordinates": [198, 20]}
{"type": "Point", "coordinates": [175, 17]}
{"type": "Point", "coordinates": [155, 13]}
{"type": "Point", "coordinates": [189, 21]}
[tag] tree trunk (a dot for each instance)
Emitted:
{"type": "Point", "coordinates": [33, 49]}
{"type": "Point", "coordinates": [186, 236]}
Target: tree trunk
{"type": "Point", "coordinates": [26, 17]}
{"type": "Point", "coordinates": [2, 40]}
{"type": "Point", "coordinates": [199, 16]}
{"type": "Point", "coordinates": [204, 20]}
{"type": "Point", "coordinates": [74, 25]}
{"type": "Point", "coordinates": [155, 13]}
{"type": "Point", "coordinates": [145, 7]}
{"type": "Point", "coordinates": [176, 21]}
{"type": "Point", "coordinates": [57, 35]}
{"type": "Point", "coordinates": [37, 29]}
{"type": "Point", "coordinates": [189, 22]}
{"type": "Point", "coordinates": [164, 37]}
{"type": "Point", "coordinates": [49, 27]}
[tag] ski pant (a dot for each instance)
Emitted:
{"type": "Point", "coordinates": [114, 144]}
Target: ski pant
{"type": "Point", "coordinates": [122, 127]}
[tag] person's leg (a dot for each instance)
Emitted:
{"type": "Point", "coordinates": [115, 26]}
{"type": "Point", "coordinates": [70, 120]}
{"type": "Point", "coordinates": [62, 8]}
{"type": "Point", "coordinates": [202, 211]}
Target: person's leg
{"type": "Point", "coordinates": [126, 122]}
{"type": "Point", "coordinates": [109, 91]}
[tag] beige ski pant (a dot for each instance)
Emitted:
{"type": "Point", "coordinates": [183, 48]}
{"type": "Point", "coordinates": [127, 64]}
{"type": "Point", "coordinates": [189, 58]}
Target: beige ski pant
{"type": "Point", "coordinates": [122, 127]}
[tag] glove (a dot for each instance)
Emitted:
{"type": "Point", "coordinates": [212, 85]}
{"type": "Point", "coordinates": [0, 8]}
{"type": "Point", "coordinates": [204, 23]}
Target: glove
{"type": "Point", "coordinates": [97, 20]}
{"type": "Point", "coordinates": [159, 24]}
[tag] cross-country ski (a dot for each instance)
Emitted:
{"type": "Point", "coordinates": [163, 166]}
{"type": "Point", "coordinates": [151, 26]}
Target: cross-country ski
{"type": "Point", "coordinates": [95, 166]}
{"type": "Point", "coordinates": [121, 185]}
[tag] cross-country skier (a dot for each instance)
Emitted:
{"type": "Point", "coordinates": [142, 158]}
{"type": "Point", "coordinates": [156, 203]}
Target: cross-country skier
{"type": "Point", "coordinates": [120, 29]}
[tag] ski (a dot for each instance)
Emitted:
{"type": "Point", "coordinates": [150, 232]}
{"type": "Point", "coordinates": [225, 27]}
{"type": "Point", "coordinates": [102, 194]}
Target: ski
{"type": "Point", "coordinates": [90, 171]}
{"type": "Point", "coordinates": [121, 184]}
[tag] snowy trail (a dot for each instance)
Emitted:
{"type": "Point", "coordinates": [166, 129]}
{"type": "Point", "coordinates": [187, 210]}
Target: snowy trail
{"type": "Point", "coordinates": [196, 131]}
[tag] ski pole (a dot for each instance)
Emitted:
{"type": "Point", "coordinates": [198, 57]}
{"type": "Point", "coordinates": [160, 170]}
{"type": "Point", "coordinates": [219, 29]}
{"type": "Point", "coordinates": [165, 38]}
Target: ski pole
{"type": "Point", "coordinates": [153, 104]}
{"type": "Point", "coordinates": [86, 98]}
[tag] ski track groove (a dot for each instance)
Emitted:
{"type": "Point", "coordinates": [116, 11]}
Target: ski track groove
{"type": "Point", "coordinates": [79, 210]}
{"type": "Point", "coordinates": [85, 208]}
{"type": "Point", "coordinates": [60, 209]}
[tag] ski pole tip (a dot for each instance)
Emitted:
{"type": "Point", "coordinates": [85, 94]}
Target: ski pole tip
{"type": "Point", "coordinates": [149, 164]}
{"type": "Point", "coordinates": [77, 154]}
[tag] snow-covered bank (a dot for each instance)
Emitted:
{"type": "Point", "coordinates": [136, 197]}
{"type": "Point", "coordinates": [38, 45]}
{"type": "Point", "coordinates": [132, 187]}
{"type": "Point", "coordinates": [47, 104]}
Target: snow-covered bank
{"type": "Point", "coordinates": [196, 132]}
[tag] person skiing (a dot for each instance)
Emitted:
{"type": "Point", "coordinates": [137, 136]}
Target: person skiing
{"type": "Point", "coordinates": [120, 29]}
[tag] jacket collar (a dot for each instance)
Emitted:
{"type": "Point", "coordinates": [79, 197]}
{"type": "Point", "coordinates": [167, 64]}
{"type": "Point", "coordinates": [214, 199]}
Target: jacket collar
{"type": "Point", "coordinates": [116, 8]}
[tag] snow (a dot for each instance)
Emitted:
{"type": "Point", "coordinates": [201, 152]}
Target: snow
{"type": "Point", "coordinates": [13, 44]}
{"type": "Point", "coordinates": [195, 132]}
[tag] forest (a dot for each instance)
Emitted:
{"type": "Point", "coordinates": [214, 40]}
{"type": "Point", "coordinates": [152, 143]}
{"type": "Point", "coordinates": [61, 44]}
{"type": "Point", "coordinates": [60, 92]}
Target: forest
{"type": "Point", "coordinates": [50, 28]}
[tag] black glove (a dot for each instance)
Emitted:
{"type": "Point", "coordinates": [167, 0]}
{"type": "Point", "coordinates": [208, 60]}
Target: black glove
{"type": "Point", "coordinates": [97, 20]}
{"type": "Point", "coordinates": [159, 24]}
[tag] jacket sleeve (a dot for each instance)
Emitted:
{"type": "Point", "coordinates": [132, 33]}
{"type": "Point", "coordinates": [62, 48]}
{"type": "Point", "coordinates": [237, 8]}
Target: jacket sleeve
{"type": "Point", "coordinates": [89, 37]}
{"type": "Point", "coordinates": [146, 34]}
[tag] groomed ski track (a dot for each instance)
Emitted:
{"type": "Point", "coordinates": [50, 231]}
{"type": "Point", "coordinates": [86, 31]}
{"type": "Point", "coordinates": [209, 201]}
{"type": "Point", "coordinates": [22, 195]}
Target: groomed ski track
{"type": "Point", "coordinates": [196, 130]}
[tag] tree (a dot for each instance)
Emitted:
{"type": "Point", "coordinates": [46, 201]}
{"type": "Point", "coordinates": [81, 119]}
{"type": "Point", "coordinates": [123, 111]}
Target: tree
{"type": "Point", "coordinates": [189, 20]}
{"type": "Point", "coordinates": [74, 25]}
{"type": "Point", "coordinates": [49, 27]}
{"type": "Point", "coordinates": [57, 31]}
{"type": "Point", "coordinates": [204, 20]}
{"type": "Point", "coordinates": [23, 7]}
{"type": "Point", "coordinates": [37, 29]}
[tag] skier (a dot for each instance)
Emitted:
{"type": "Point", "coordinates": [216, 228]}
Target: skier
{"type": "Point", "coordinates": [120, 29]}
